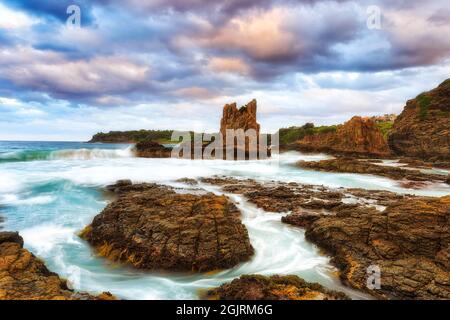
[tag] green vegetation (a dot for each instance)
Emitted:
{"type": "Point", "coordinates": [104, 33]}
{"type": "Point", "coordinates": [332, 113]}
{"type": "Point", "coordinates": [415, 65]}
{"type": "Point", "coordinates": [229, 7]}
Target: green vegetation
{"type": "Point", "coordinates": [292, 134]}
{"type": "Point", "coordinates": [135, 136]}
{"type": "Point", "coordinates": [424, 102]}
{"type": "Point", "coordinates": [162, 136]}
{"type": "Point", "coordinates": [385, 127]}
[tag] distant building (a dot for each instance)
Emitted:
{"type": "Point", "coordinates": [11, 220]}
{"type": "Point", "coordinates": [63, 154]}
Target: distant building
{"type": "Point", "coordinates": [384, 118]}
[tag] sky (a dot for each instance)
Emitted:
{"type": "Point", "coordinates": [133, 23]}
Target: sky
{"type": "Point", "coordinates": [173, 64]}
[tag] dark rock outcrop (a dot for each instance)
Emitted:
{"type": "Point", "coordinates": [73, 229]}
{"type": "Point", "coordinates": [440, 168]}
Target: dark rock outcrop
{"type": "Point", "coordinates": [422, 130]}
{"type": "Point", "coordinates": [257, 287]}
{"type": "Point", "coordinates": [409, 242]}
{"type": "Point", "coordinates": [364, 167]}
{"type": "Point", "coordinates": [152, 227]}
{"type": "Point", "coordinates": [151, 149]}
{"type": "Point", "coordinates": [358, 136]}
{"type": "Point", "coordinates": [25, 277]}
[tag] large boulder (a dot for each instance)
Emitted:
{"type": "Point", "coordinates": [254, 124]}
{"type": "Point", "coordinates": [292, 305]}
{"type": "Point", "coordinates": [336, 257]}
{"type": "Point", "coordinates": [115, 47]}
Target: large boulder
{"type": "Point", "coordinates": [152, 227]}
{"type": "Point", "coordinates": [358, 136]}
{"type": "Point", "coordinates": [423, 128]}
{"type": "Point", "coordinates": [258, 287]}
{"type": "Point", "coordinates": [25, 277]}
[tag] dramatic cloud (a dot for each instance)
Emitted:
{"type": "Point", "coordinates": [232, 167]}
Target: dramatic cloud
{"type": "Point", "coordinates": [174, 63]}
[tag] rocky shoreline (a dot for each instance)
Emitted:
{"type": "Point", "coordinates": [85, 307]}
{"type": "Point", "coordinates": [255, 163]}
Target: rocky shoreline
{"type": "Point", "coordinates": [25, 277]}
{"type": "Point", "coordinates": [405, 236]}
{"type": "Point", "coordinates": [156, 227]}
{"type": "Point", "coordinates": [410, 177]}
{"type": "Point", "coordinates": [409, 242]}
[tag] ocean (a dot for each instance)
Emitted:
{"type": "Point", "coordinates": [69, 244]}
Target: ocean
{"type": "Point", "coordinates": [49, 191]}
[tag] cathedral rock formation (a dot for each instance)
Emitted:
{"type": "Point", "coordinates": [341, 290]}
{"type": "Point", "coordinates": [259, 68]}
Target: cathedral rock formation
{"type": "Point", "coordinates": [358, 136]}
{"type": "Point", "coordinates": [243, 118]}
{"type": "Point", "coordinates": [423, 128]}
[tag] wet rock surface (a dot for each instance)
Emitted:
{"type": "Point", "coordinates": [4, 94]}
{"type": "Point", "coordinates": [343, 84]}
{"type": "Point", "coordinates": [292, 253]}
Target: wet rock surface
{"type": "Point", "coordinates": [257, 287]}
{"type": "Point", "coordinates": [364, 167]}
{"type": "Point", "coordinates": [25, 277]}
{"type": "Point", "coordinates": [409, 242]}
{"type": "Point", "coordinates": [152, 227]}
{"type": "Point", "coordinates": [406, 236]}
{"type": "Point", "coordinates": [417, 163]}
{"type": "Point", "coordinates": [292, 197]}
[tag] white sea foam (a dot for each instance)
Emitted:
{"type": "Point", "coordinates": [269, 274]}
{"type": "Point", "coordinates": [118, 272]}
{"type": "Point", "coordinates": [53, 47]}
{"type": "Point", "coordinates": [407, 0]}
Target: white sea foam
{"type": "Point", "coordinates": [8, 182]}
{"type": "Point", "coordinates": [44, 238]}
{"type": "Point", "coordinates": [13, 199]}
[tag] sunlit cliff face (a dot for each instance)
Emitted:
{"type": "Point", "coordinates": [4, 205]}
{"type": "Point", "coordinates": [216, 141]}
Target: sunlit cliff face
{"type": "Point", "coordinates": [174, 64]}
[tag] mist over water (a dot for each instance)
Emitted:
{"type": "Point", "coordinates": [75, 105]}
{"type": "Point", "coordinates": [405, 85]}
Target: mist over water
{"type": "Point", "coordinates": [50, 197]}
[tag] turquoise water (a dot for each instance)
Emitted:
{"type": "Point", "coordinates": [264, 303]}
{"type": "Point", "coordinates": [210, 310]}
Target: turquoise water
{"type": "Point", "coordinates": [51, 190]}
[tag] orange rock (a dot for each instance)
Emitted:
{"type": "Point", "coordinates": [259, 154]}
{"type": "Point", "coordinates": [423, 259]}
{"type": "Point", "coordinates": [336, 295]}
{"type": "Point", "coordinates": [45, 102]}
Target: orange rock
{"type": "Point", "coordinates": [243, 118]}
{"type": "Point", "coordinates": [25, 277]}
{"type": "Point", "coordinates": [422, 130]}
{"type": "Point", "coordinates": [358, 136]}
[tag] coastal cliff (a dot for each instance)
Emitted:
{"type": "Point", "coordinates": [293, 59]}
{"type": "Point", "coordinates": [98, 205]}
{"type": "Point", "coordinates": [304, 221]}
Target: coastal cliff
{"type": "Point", "coordinates": [423, 128]}
{"type": "Point", "coordinates": [358, 136]}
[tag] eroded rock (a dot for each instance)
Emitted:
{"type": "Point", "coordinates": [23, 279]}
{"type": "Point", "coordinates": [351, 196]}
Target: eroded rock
{"type": "Point", "coordinates": [409, 242]}
{"type": "Point", "coordinates": [358, 136]}
{"type": "Point", "coordinates": [422, 130]}
{"type": "Point", "coordinates": [242, 118]}
{"type": "Point", "coordinates": [291, 197]}
{"type": "Point", "coordinates": [257, 287]}
{"type": "Point", "coordinates": [364, 167]}
{"type": "Point", "coordinates": [25, 277]}
{"type": "Point", "coordinates": [406, 236]}
{"type": "Point", "coordinates": [152, 227]}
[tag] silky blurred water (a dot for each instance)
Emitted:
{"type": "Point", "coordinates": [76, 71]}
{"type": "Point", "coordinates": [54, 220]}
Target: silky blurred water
{"type": "Point", "coordinates": [51, 190]}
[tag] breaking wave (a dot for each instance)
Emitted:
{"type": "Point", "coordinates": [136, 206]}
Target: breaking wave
{"type": "Point", "coordinates": [69, 154]}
